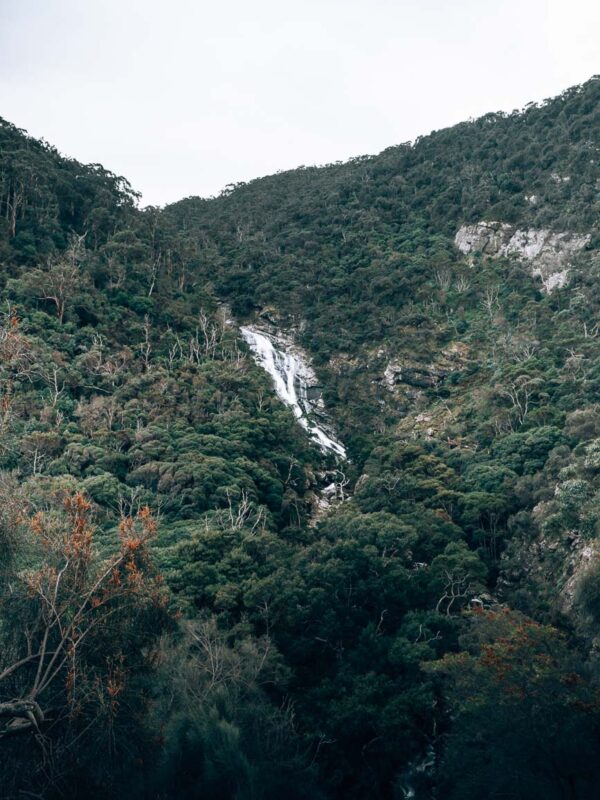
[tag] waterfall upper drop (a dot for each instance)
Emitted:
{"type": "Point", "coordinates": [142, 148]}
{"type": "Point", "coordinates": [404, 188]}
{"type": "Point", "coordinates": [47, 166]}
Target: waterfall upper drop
{"type": "Point", "coordinates": [292, 377]}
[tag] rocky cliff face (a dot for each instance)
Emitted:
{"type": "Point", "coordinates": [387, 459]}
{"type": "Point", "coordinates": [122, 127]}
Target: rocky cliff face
{"type": "Point", "coordinates": [548, 253]}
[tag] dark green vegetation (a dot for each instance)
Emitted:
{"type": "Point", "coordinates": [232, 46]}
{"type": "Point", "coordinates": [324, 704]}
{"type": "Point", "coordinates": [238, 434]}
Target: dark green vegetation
{"type": "Point", "coordinates": [176, 622]}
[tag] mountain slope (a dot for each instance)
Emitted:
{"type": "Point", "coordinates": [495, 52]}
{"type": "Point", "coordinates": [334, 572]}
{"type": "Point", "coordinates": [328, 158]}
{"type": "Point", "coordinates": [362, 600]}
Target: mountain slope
{"type": "Point", "coordinates": [362, 255]}
{"type": "Point", "coordinates": [446, 611]}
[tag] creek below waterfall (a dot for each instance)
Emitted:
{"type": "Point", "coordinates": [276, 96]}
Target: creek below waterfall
{"type": "Point", "coordinates": [294, 381]}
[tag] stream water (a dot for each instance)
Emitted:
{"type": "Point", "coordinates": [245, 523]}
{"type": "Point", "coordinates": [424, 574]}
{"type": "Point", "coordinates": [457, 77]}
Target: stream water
{"type": "Point", "coordinates": [292, 377]}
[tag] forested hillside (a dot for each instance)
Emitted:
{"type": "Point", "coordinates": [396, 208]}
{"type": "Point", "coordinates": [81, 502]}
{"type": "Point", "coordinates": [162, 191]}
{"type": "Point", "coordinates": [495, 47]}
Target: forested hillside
{"type": "Point", "coordinates": [183, 616]}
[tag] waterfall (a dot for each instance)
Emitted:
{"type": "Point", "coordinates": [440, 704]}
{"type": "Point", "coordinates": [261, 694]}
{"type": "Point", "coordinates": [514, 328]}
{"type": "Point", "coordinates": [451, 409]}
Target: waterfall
{"type": "Point", "coordinates": [292, 377]}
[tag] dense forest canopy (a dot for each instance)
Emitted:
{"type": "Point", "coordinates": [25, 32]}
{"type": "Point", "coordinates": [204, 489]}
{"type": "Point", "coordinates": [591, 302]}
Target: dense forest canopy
{"type": "Point", "coordinates": [181, 615]}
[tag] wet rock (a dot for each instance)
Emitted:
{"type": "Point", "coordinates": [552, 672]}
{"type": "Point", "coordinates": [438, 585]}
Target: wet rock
{"type": "Point", "coordinates": [418, 376]}
{"type": "Point", "coordinates": [294, 382]}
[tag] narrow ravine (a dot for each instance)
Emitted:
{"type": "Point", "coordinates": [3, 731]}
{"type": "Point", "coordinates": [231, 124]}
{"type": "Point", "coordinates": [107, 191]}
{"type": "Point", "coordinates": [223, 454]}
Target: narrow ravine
{"type": "Point", "coordinates": [292, 377]}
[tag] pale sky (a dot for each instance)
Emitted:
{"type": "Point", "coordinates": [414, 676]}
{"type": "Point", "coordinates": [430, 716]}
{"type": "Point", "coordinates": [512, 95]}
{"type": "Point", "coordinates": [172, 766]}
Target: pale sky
{"type": "Point", "coordinates": [185, 96]}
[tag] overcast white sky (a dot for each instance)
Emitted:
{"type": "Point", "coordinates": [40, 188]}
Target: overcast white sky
{"type": "Point", "coordinates": [185, 96]}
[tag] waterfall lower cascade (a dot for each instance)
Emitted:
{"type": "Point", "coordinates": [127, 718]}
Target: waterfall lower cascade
{"type": "Point", "coordinates": [292, 377]}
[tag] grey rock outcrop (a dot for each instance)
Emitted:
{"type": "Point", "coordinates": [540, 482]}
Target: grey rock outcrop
{"type": "Point", "coordinates": [419, 376]}
{"type": "Point", "coordinates": [484, 237]}
{"type": "Point", "coordinates": [548, 253]}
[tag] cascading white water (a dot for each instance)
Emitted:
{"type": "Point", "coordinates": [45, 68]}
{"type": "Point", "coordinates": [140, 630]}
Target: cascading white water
{"type": "Point", "coordinates": [291, 376]}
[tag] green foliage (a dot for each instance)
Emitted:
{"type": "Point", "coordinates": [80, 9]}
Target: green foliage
{"type": "Point", "coordinates": [316, 654]}
{"type": "Point", "coordinates": [524, 718]}
{"type": "Point", "coordinates": [224, 738]}
{"type": "Point", "coordinates": [526, 453]}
